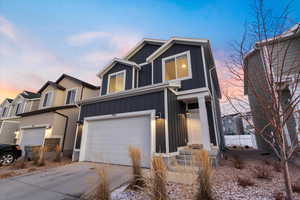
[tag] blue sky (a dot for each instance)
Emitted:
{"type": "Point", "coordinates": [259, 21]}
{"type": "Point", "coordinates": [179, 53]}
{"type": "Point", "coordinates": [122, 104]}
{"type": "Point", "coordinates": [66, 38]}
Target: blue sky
{"type": "Point", "coordinates": [39, 40]}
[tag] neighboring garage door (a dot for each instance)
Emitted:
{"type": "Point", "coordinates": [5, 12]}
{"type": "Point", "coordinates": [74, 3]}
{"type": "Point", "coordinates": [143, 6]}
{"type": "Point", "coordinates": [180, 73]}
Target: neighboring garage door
{"type": "Point", "coordinates": [107, 140]}
{"type": "Point", "coordinates": [32, 136]}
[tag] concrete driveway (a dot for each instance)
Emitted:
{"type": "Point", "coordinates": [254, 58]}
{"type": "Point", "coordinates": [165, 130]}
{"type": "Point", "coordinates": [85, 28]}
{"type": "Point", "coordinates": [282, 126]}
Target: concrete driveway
{"type": "Point", "coordinates": [68, 182]}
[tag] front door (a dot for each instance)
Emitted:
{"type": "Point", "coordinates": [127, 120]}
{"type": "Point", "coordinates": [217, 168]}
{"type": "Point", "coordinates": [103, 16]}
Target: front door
{"type": "Point", "coordinates": [194, 127]}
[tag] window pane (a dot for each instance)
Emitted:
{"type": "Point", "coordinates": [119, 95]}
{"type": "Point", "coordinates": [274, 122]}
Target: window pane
{"type": "Point", "coordinates": [182, 66]}
{"type": "Point", "coordinates": [116, 83]}
{"type": "Point", "coordinates": [71, 97]}
{"type": "Point", "coordinates": [170, 72]}
{"type": "Point", "coordinates": [45, 99]}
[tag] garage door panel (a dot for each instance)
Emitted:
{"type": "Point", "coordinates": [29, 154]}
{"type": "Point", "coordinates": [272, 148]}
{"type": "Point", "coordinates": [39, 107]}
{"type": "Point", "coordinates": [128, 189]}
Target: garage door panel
{"type": "Point", "coordinates": [108, 140]}
{"type": "Point", "coordinates": [32, 136]}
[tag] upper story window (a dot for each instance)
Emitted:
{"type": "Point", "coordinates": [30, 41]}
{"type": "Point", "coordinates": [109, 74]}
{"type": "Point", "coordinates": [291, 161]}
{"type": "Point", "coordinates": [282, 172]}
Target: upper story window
{"type": "Point", "coordinates": [18, 108]}
{"type": "Point", "coordinates": [116, 82]}
{"type": "Point", "coordinates": [47, 99]}
{"type": "Point", "coordinates": [4, 112]}
{"type": "Point", "coordinates": [71, 96]}
{"type": "Point", "coordinates": [177, 67]}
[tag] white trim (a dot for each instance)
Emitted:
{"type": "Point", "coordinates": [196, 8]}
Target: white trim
{"type": "Point", "coordinates": [133, 78]}
{"type": "Point", "coordinates": [51, 100]}
{"type": "Point", "coordinates": [113, 62]}
{"type": "Point", "coordinates": [116, 116]}
{"type": "Point", "coordinates": [66, 95]}
{"type": "Point", "coordinates": [170, 42]}
{"type": "Point", "coordinates": [137, 78]}
{"type": "Point", "coordinates": [24, 106]}
{"type": "Point", "coordinates": [36, 126]}
{"type": "Point", "coordinates": [100, 94]}
{"type": "Point", "coordinates": [204, 65]}
{"type": "Point", "coordinates": [142, 64]}
{"type": "Point", "coordinates": [124, 81]}
{"type": "Point", "coordinates": [166, 120]}
{"type": "Point", "coordinates": [152, 73]}
{"type": "Point", "coordinates": [131, 92]}
{"type": "Point", "coordinates": [188, 55]}
{"type": "Point", "coordinates": [76, 133]}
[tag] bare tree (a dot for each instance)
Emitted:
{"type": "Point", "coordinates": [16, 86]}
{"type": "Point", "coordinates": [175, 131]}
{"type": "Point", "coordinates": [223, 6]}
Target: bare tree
{"type": "Point", "coordinates": [265, 62]}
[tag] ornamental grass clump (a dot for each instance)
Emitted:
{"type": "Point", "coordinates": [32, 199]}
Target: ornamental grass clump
{"type": "Point", "coordinates": [204, 172]}
{"type": "Point", "coordinates": [138, 181]}
{"type": "Point", "coordinates": [57, 153]}
{"type": "Point", "coordinates": [159, 179]}
{"type": "Point", "coordinates": [102, 190]}
{"type": "Point", "coordinates": [41, 161]}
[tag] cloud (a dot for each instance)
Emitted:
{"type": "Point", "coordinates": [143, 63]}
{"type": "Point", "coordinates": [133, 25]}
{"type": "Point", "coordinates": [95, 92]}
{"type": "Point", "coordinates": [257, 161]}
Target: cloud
{"type": "Point", "coordinates": [7, 29]}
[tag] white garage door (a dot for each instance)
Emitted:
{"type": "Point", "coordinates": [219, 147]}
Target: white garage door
{"type": "Point", "coordinates": [108, 140]}
{"type": "Point", "coordinates": [32, 136]}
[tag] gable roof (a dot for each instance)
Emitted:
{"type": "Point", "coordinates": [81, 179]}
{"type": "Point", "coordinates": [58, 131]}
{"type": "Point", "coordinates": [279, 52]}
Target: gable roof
{"type": "Point", "coordinates": [53, 84]}
{"type": "Point", "coordinates": [113, 62]}
{"type": "Point", "coordinates": [30, 95]}
{"type": "Point", "coordinates": [85, 84]}
{"type": "Point", "coordinates": [141, 44]}
{"type": "Point", "coordinates": [171, 41]}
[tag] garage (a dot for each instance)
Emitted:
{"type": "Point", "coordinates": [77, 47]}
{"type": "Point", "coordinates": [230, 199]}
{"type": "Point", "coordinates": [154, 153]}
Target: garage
{"type": "Point", "coordinates": [107, 139]}
{"type": "Point", "coordinates": [32, 136]}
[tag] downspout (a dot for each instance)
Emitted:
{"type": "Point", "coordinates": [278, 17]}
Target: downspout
{"type": "Point", "coordinates": [66, 127]}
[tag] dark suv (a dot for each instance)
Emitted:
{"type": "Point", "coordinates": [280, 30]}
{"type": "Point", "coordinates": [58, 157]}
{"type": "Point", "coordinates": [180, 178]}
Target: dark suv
{"type": "Point", "coordinates": [9, 153]}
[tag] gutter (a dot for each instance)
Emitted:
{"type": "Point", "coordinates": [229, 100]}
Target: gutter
{"type": "Point", "coordinates": [65, 130]}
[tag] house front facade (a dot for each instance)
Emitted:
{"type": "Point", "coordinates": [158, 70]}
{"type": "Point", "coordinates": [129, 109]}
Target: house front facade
{"type": "Point", "coordinates": [10, 109]}
{"type": "Point", "coordinates": [162, 96]}
{"type": "Point", "coordinates": [54, 121]}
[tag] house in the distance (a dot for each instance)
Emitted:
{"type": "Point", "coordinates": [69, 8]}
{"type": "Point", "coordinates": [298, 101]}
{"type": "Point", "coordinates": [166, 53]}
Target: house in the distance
{"type": "Point", "coordinates": [162, 96]}
{"type": "Point", "coordinates": [26, 101]}
{"type": "Point", "coordinates": [54, 121]}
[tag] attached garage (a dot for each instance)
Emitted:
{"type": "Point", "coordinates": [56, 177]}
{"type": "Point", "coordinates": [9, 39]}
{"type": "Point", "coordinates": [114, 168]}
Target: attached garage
{"type": "Point", "coordinates": [106, 139]}
{"type": "Point", "coordinates": [32, 136]}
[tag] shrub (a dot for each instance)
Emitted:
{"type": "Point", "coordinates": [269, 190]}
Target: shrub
{"type": "Point", "coordinates": [138, 181]}
{"type": "Point", "coordinates": [244, 181]}
{"type": "Point", "coordinates": [159, 179]}
{"type": "Point", "coordinates": [296, 187]}
{"type": "Point", "coordinates": [279, 196]}
{"type": "Point", "coordinates": [19, 164]}
{"type": "Point", "coordinates": [262, 172]}
{"type": "Point", "coordinates": [204, 186]}
{"type": "Point", "coordinates": [41, 160]}
{"type": "Point", "coordinates": [57, 153]}
{"type": "Point", "coordinates": [238, 163]}
{"type": "Point", "coordinates": [102, 190]}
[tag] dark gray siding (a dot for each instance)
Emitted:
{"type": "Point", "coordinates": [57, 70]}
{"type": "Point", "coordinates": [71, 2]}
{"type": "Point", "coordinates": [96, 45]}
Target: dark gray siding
{"type": "Point", "coordinates": [145, 75]}
{"type": "Point", "coordinates": [210, 119]}
{"type": "Point", "coordinates": [118, 67]}
{"type": "Point", "coordinates": [198, 79]}
{"type": "Point", "coordinates": [132, 104]}
{"type": "Point", "coordinates": [143, 53]}
{"type": "Point", "coordinates": [177, 123]}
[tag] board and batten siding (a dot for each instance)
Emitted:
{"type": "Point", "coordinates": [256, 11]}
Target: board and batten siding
{"type": "Point", "coordinates": [116, 68]}
{"type": "Point", "coordinates": [177, 123]}
{"type": "Point", "coordinates": [198, 79]}
{"type": "Point", "coordinates": [143, 102]}
{"type": "Point", "coordinates": [140, 56]}
{"type": "Point", "coordinates": [145, 75]}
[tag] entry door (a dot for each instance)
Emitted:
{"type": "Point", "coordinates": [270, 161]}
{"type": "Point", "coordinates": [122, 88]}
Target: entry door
{"type": "Point", "coordinates": [194, 127]}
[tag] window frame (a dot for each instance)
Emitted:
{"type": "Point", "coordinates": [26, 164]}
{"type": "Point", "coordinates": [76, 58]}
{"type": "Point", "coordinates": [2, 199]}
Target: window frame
{"type": "Point", "coordinates": [75, 97]}
{"type": "Point", "coordinates": [188, 55]}
{"type": "Point", "coordinates": [18, 106]}
{"type": "Point", "coordinates": [50, 101]}
{"type": "Point", "coordinates": [113, 74]}
{"type": "Point", "coordinates": [4, 114]}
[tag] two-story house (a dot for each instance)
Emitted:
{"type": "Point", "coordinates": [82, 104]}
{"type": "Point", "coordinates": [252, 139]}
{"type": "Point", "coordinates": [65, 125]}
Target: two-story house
{"type": "Point", "coordinates": [54, 121]}
{"type": "Point", "coordinates": [10, 109]}
{"type": "Point", "coordinates": [162, 96]}
{"type": "Point", "coordinates": [282, 55]}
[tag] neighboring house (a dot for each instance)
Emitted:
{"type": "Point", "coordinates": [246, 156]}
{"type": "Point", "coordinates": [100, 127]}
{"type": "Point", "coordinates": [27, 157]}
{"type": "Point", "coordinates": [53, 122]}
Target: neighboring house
{"type": "Point", "coordinates": [54, 121]}
{"type": "Point", "coordinates": [232, 124]}
{"type": "Point", "coordinates": [285, 47]}
{"type": "Point", "coordinates": [162, 96]}
{"type": "Point", "coordinates": [9, 119]}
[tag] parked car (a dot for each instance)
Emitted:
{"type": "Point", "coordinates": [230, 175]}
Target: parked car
{"type": "Point", "coordinates": [9, 153]}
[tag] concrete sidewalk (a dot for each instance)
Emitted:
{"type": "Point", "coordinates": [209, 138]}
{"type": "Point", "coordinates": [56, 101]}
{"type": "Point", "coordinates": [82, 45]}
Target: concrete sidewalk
{"type": "Point", "coordinates": [63, 183]}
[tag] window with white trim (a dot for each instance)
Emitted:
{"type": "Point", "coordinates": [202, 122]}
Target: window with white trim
{"type": "Point", "coordinates": [177, 67]}
{"type": "Point", "coordinates": [71, 96]}
{"type": "Point", "coordinates": [4, 112]}
{"type": "Point", "coordinates": [18, 108]}
{"type": "Point", "coordinates": [116, 82]}
{"type": "Point", "coordinates": [47, 99]}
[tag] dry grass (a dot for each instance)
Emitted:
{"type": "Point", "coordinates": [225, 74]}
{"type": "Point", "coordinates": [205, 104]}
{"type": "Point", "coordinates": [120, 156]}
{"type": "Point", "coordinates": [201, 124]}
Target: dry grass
{"type": "Point", "coordinates": [138, 182]}
{"type": "Point", "coordinates": [296, 187]}
{"type": "Point", "coordinates": [41, 160]}
{"type": "Point", "coordinates": [158, 183]}
{"type": "Point", "coordinates": [35, 155]}
{"type": "Point", "coordinates": [102, 190]}
{"type": "Point", "coordinates": [244, 181]}
{"type": "Point", "coordinates": [57, 154]}
{"type": "Point", "coordinates": [19, 164]}
{"type": "Point", "coordinates": [204, 185]}
{"type": "Point", "coordinates": [238, 163]}
{"type": "Point", "coordinates": [279, 196]}
{"type": "Point", "coordinates": [277, 166]}
{"type": "Point", "coordinates": [7, 175]}
{"type": "Point", "coordinates": [262, 172]}
{"type": "Point", "coordinates": [32, 169]}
